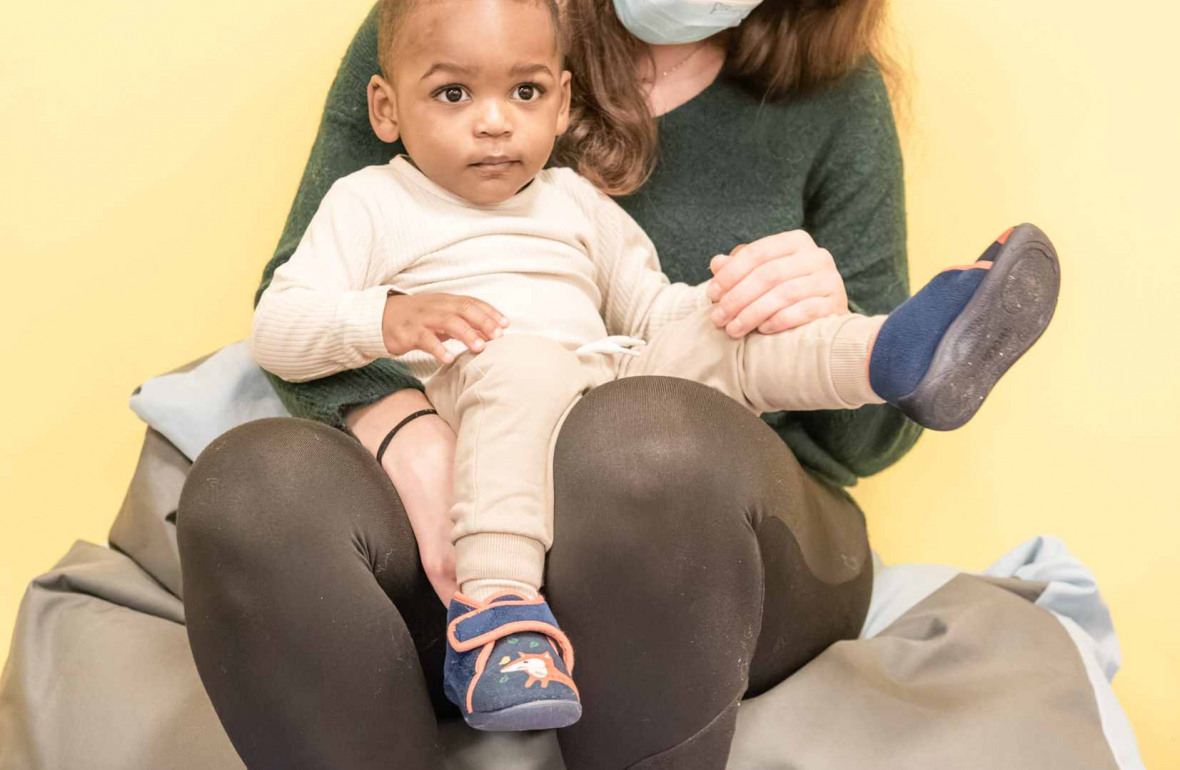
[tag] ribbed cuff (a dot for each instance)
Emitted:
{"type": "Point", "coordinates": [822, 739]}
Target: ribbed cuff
{"type": "Point", "coordinates": [499, 556]}
{"type": "Point", "coordinates": [850, 361]}
{"type": "Point", "coordinates": [360, 315]}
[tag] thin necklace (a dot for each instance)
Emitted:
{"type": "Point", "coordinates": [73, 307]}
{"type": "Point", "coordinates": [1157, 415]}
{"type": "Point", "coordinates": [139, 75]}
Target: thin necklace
{"type": "Point", "coordinates": [682, 62]}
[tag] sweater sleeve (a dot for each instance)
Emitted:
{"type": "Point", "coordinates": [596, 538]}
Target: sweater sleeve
{"type": "Point", "coordinates": [637, 298]}
{"type": "Point", "coordinates": [320, 316]}
{"type": "Point", "coordinates": [855, 208]}
{"type": "Point", "coordinates": [344, 143]}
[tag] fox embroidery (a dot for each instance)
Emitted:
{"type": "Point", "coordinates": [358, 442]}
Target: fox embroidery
{"type": "Point", "coordinates": [540, 668]}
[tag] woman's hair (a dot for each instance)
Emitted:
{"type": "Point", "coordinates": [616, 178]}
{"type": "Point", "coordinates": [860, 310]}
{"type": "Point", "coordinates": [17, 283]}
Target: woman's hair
{"type": "Point", "coordinates": [783, 47]}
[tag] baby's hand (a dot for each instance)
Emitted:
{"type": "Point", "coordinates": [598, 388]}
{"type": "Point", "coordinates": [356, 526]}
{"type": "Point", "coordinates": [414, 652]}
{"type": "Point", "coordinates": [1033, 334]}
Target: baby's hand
{"type": "Point", "coordinates": [425, 321]}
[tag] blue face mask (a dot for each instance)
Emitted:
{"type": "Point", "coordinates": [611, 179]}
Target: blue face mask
{"type": "Point", "coordinates": [670, 22]}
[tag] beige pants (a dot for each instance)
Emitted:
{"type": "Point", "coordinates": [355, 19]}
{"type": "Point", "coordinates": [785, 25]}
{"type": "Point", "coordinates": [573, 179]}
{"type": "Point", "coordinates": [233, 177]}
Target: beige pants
{"type": "Point", "coordinates": [506, 405]}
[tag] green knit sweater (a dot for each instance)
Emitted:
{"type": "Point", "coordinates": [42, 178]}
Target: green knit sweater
{"type": "Point", "coordinates": [731, 170]}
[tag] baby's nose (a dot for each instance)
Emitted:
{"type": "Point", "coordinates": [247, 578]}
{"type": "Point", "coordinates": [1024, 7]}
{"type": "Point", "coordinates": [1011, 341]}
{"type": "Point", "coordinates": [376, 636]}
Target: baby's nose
{"type": "Point", "coordinates": [493, 120]}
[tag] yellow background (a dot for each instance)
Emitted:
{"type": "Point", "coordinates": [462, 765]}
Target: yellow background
{"type": "Point", "coordinates": [149, 152]}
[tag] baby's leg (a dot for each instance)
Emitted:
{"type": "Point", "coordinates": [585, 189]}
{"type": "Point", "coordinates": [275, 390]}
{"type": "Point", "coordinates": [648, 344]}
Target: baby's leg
{"type": "Point", "coordinates": [821, 365]}
{"type": "Point", "coordinates": [936, 357]}
{"type": "Point", "coordinates": [502, 638]}
{"type": "Point", "coordinates": [505, 404]}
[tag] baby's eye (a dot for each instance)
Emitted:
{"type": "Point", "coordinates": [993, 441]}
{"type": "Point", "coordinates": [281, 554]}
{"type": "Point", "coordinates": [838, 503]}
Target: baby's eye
{"type": "Point", "coordinates": [528, 92]}
{"type": "Point", "coordinates": [451, 94]}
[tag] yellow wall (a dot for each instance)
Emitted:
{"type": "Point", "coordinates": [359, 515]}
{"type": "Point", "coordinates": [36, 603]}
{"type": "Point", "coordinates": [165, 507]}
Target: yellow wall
{"type": "Point", "coordinates": [149, 151]}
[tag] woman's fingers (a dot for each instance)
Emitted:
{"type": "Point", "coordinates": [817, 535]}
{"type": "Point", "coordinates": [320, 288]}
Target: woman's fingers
{"type": "Point", "coordinates": [763, 279]}
{"type": "Point", "coordinates": [799, 314]}
{"type": "Point", "coordinates": [779, 297]}
{"type": "Point", "coordinates": [721, 260]}
{"type": "Point", "coordinates": [748, 257]}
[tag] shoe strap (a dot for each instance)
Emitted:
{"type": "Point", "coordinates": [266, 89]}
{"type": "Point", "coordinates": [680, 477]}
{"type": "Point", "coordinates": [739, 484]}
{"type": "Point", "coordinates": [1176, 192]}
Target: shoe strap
{"type": "Point", "coordinates": [486, 625]}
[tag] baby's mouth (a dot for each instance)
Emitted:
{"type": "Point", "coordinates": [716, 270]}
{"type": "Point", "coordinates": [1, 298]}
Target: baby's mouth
{"type": "Point", "coordinates": [495, 162]}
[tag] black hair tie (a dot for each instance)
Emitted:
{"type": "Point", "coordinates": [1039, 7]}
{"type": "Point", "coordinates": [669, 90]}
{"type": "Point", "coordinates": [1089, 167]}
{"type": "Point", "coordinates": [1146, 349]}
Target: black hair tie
{"type": "Point", "coordinates": [389, 436]}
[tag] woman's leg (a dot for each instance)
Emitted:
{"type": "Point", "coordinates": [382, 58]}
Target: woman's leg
{"type": "Point", "coordinates": [693, 562]}
{"type": "Point", "coordinates": [311, 621]}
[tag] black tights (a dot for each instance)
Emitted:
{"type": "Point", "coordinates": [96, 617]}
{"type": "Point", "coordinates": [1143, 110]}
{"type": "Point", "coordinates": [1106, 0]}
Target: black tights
{"type": "Point", "coordinates": [694, 563]}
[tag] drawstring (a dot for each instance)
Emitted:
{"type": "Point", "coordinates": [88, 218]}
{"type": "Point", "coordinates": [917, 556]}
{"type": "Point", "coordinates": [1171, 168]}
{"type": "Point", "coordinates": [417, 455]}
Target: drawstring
{"type": "Point", "coordinates": [614, 344]}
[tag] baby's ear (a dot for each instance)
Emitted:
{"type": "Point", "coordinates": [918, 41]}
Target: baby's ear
{"type": "Point", "coordinates": [563, 117]}
{"type": "Point", "coordinates": [382, 109]}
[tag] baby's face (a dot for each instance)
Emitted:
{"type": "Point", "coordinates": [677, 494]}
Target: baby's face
{"type": "Point", "coordinates": [480, 95]}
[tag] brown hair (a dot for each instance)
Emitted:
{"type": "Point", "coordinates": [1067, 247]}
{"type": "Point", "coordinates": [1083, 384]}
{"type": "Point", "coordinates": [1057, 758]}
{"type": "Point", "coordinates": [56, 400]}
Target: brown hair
{"type": "Point", "coordinates": [783, 47]}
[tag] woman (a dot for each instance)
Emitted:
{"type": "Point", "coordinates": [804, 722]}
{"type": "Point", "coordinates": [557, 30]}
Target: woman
{"type": "Point", "coordinates": [313, 619]}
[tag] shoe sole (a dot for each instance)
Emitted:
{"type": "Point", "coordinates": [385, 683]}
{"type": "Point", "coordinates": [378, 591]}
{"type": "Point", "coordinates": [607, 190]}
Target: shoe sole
{"type": "Point", "coordinates": [1008, 313]}
{"type": "Point", "coordinates": [535, 715]}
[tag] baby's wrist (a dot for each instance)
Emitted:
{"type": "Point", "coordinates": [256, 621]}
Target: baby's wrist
{"type": "Point", "coordinates": [389, 318]}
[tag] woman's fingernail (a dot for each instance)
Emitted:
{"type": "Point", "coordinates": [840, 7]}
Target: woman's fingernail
{"type": "Point", "coordinates": [735, 328]}
{"type": "Point", "coordinates": [718, 316]}
{"type": "Point", "coordinates": [711, 291]}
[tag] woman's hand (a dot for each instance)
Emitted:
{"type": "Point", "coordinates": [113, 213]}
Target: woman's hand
{"type": "Point", "coordinates": [419, 461]}
{"type": "Point", "coordinates": [774, 284]}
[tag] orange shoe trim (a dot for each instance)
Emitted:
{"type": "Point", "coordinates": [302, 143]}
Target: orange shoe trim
{"type": "Point", "coordinates": [465, 599]}
{"type": "Point", "coordinates": [1004, 238]}
{"type": "Point", "coordinates": [516, 627]}
{"type": "Point", "coordinates": [982, 264]}
{"type": "Point", "coordinates": [567, 648]}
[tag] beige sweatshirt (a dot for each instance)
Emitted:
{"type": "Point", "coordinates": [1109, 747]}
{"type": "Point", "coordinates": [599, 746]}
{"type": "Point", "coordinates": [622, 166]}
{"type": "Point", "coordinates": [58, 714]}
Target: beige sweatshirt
{"type": "Point", "coordinates": [559, 259]}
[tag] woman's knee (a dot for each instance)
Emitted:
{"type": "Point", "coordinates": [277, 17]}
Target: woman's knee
{"type": "Point", "coordinates": [657, 486]}
{"type": "Point", "coordinates": [689, 457]}
{"type": "Point", "coordinates": [666, 488]}
{"type": "Point", "coordinates": [261, 481]}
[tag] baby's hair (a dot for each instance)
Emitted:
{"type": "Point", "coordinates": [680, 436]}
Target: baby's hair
{"type": "Point", "coordinates": [393, 14]}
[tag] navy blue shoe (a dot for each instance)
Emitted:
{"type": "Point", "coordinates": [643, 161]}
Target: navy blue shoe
{"type": "Point", "coordinates": [939, 355]}
{"type": "Point", "coordinates": [508, 665]}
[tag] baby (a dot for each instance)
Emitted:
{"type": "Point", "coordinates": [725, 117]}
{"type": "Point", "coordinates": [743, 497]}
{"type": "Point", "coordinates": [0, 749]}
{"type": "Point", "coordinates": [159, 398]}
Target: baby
{"type": "Point", "coordinates": [425, 259]}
